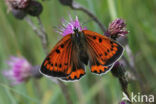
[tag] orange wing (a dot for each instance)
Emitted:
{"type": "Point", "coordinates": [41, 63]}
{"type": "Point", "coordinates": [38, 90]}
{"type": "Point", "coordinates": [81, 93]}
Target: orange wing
{"type": "Point", "coordinates": [63, 61]}
{"type": "Point", "coordinates": [78, 69]}
{"type": "Point", "coordinates": [58, 62]}
{"type": "Point", "coordinates": [102, 51]}
{"type": "Point", "coordinates": [100, 69]}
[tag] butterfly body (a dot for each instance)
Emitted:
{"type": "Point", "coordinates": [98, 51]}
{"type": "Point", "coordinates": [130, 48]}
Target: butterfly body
{"type": "Point", "coordinates": [68, 58]}
{"type": "Point", "coordinates": [79, 42]}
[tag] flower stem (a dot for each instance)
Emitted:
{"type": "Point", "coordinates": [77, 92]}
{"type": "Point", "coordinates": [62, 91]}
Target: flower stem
{"type": "Point", "coordinates": [122, 80]}
{"type": "Point", "coordinates": [112, 9]}
{"type": "Point", "coordinates": [39, 32]}
{"type": "Point", "coordinates": [77, 6]}
{"type": "Point", "coordinates": [65, 92]}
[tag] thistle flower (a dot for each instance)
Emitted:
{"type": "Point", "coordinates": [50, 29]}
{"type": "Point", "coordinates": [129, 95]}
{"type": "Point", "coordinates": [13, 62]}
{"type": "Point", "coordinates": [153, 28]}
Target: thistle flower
{"type": "Point", "coordinates": [34, 9]}
{"type": "Point", "coordinates": [20, 8]}
{"type": "Point", "coordinates": [20, 70]}
{"type": "Point", "coordinates": [19, 14]}
{"type": "Point", "coordinates": [123, 102]}
{"type": "Point", "coordinates": [18, 4]}
{"type": "Point", "coordinates": [117, 28]}
{"type": "Point", "coordinates": [68, 27]}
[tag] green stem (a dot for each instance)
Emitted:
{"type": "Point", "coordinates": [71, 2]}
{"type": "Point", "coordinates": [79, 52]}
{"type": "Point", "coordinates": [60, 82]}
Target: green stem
{"type": "Point", "coordinates": [112, 9]}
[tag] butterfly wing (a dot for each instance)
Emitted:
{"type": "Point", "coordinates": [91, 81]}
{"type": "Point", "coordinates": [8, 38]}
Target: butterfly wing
{"type": "Point", "coordinates": [63, 61]}
{"type": "Point", "coordinates": [102, 51]}
{"type": "Point", "coordinates": [58, 62]}
{"type": "Point", "coordinates": [100, 69]}
{"type": "Point", "coordinates": [78, 69]}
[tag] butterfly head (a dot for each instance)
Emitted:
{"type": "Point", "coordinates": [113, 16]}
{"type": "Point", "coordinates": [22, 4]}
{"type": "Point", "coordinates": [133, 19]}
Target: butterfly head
{"type": "Point", "coordinates": [71, 27]}
{"type": "Point", "coordinates": [76, 31]}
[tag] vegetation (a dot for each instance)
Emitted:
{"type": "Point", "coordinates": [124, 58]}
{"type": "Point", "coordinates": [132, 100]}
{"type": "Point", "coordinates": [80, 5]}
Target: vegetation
{"type": "Point", "coordinates": [17, 38]}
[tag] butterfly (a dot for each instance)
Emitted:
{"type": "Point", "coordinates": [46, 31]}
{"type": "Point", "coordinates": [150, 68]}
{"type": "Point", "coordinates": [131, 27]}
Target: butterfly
{"type": "Point", "coordinates": [68, 58]}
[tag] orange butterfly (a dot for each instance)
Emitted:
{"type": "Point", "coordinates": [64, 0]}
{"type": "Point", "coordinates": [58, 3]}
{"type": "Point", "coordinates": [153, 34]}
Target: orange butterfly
{"type": "Point", "coordinates": [68, 58]}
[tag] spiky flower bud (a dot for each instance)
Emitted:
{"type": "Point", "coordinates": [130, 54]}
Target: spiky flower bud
{"type": "Point", "coordinates": [118, 70]}
{"type": "Point", "coordinates": [20, 8]}
{"type": "Point", "coordinates": [19, 14]}
{"type": "Point", "coordinates": [19, 4]}
{"type": "Point", "coordinates": [34, 9]}
{"type": "Point", "coordinates": [117, 28]}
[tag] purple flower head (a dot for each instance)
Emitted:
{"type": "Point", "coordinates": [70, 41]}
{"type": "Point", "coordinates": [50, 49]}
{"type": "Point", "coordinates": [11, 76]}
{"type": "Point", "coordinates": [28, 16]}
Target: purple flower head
{"type": "Point", "coordinates": [20, 8]}
{"type": "Point", "coordinates": [20, 70]}
{"type": "Point", "coordinates": [123, 102]}
{"type": "Point", "coordinates": [117, 28]}
{"type": "Point", "coordinates": [68, 28]}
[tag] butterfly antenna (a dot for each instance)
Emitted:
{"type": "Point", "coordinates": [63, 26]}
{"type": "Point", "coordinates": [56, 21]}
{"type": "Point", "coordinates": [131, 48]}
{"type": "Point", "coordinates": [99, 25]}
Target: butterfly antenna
{"type": "Point", "coordinates": [86, 22]}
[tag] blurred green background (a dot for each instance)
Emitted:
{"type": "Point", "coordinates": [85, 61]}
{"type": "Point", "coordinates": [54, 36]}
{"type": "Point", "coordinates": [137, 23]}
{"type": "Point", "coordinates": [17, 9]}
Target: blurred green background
{"type": "Point", "coordinates": [18, 38]}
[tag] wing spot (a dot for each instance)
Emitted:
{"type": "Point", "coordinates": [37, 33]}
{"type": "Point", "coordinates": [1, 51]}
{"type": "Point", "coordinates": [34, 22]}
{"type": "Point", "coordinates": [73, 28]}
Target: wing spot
{"type": "Point", "coordinates": [60, 65]}
{"type": "Point", "coordinates": [108, 50]}
{"type": "Point", "coordinates": [62, 45]}
{"type": "Point", "coordinates": [94, 37]}
{"type": "Point", "coordinates": [65, 64]}
{"type": "Point", "coordinates": [48, 58]}
{"type": "Point", "coordinates": [100, 55]}
{"type": "Point", "coordinates": [105, 53]}
{"type": "Point", "coordinates": [51, 64]}
{"type": "Point", "coordinates": [56, 64]}
{"type": "Point", "coordinates": [111, 49]}
{"type": "Point", "coordinates": [100, 40]}
{"type": "Point", "coordinates": [57, 50]}
{"type": "Point", "coordinates": [111, 42]}
{"type": "Point", "coordinates": [75, 77]}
